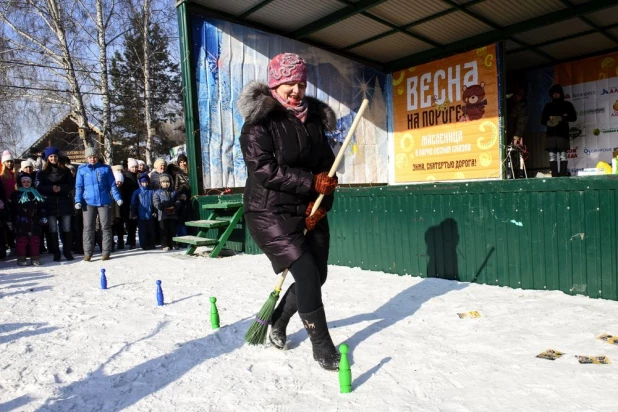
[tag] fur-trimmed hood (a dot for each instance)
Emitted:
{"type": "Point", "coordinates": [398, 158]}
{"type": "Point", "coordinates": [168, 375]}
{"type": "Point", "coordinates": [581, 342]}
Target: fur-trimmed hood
{"type": "Point", "coordinates": [255, 104]}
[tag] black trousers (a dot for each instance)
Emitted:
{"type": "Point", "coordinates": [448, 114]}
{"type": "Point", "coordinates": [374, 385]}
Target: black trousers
{"type": "Point", "coordinates": [131, 231]}
{"type": "Point", "coordinates": [147, 233]}
{"type": "Point", "coordinates": [167, 229]}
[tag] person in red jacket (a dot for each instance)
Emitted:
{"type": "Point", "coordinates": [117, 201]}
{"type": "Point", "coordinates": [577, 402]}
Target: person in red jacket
{"type": "Point", "coordinates": [287, 156]}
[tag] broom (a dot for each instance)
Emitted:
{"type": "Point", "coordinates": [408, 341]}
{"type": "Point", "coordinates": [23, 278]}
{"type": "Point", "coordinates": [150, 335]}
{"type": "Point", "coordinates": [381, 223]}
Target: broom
{"type": "Point", "coordinates": [256, 335]}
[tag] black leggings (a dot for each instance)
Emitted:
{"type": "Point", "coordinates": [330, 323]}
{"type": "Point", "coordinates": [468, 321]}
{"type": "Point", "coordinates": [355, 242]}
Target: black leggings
{"type": "Point", "coordinates": [309, 280]}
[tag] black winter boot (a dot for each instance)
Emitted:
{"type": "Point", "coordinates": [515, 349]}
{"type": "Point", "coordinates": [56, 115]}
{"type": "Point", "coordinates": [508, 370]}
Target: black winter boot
{"type": "Point", "coordinates": [281, 317]}
{"type": "Point", "coordinates": [53, 246]}
{"type": "Point", "coordinates": [324, 350]}
{"type": "Point", "coordinates": [67, 243]}
{"type": "Point", "coordinates": [553, 166]}
{"type": "Point", "coordinates": [563, 168]}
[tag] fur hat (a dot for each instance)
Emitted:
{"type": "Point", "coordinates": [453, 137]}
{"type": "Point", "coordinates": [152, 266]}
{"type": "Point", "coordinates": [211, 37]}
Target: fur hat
{"type": "Point", "coordinates": [27, 163]}
{"type": "Point", "coordinates": [117, 168]}
{"type": "Point", "coordinates": [144, 178]}
{"type": "Point", "coordinates": [6, 156]}
{"type": "Point", "coordinates": [50, 151]}
{"type": "Point", "coordinates": [118, 176]}
{"type": "Point", "coordinates": [165, 178]}
{"type": "Point", "coordinates": [286, 68]}
{"type": "Point", "coordinates": [158, 162]}
{"type": "Point", "coordinates": [131, 163]}
{"type": "Point", "coordinates": [91, 151]}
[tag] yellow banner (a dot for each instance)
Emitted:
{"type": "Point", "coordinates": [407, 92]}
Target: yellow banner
{"type": "Point", "coordinates": [446, 119]}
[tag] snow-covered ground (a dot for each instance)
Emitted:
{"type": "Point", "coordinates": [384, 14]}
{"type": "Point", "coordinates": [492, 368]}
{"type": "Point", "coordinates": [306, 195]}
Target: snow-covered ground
{"type": "Point", "coordinates": [67, 345]}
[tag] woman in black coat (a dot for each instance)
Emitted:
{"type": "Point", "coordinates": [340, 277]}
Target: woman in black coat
{"type": "Point", "coordinates": [56, 183]}
{"type": "Point", "coordinates": [556, 116]}
{"type": "Point", "coordinates": [288, 158]}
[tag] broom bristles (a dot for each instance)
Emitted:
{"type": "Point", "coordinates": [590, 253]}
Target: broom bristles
{"type": "Point", "coordinates": [256, 335]}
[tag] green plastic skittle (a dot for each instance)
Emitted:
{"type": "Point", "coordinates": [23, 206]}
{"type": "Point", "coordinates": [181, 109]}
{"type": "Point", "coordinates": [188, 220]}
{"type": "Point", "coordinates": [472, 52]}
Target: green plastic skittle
{"type": "Point", "coordinates": [345, 373]}
{"type": "Point", "coordinates": [214, 313]}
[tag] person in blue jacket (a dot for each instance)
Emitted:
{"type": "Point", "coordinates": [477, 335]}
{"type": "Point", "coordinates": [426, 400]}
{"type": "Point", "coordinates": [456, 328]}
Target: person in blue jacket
{"type": "Point", "coordinates": [95, 191]}
{"type": "Point", "coordinates": [142, 210]}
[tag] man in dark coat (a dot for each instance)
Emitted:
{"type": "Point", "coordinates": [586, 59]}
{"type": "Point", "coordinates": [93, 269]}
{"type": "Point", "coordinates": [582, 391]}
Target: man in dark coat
{"type": "Point", "coordinates": [288, 158]}
{"type": "Point", "coordinates": [556, 116]}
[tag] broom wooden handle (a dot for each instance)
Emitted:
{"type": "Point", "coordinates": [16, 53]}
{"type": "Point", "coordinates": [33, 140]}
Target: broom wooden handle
{"type": "Point", "coordinates": [331, 173]}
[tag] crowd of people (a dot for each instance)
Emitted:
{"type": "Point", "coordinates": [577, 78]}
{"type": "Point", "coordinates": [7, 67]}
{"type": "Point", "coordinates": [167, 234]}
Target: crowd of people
{"type": "Point", "coordinates": [49, 202]}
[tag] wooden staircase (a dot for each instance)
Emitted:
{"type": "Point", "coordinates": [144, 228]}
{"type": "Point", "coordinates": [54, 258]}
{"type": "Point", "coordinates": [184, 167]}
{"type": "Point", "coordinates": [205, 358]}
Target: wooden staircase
{"type": "Point", "coordinates": [222, 216]}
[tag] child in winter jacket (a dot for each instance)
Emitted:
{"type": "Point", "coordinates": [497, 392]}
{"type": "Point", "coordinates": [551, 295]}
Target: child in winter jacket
{"type": "Point", "coordinates": [167, 204]}
{"type": "Point", "coordinates": [142, 210]}
{"type": "Point", "coordinates": [28, 217]}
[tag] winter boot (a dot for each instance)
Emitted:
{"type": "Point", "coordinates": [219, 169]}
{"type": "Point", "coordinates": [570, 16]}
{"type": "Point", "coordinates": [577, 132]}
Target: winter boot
{"type": "Point", "coordinates": [105, 256]}
{"type": "Point", "coordinates": [36, 261]}
{"type": "Point", "coordinates": [281, 317]}
{"type": "Point", "coordinates": [53, 246]}
{"type": "Point", "coordinates": [554, 169]}
{"type": "Point", "coordinates": [563, 168]}
{"type": "Point", "coordinates": [67, 242]}
{"type": "Point", "coordinates": [324, 350]}
{"type": "Point", "coordinates": [21, 261]}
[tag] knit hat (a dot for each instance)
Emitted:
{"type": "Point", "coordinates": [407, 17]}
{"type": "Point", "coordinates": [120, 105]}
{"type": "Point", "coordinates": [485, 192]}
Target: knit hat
{"type": "Point", "coordinates": [140, 162]}
{"type": "Point", "coordinates": [118, 176]}
{"type": "Point", "coordinates": [6, 156]}
{"type": "Point", "coordinates": [164, 177]}
{"type": "Point", "coordinates": [27, 163]}
{"type": "Point", "coordinates": [158, 162]}
{"type": "Point", "coordinates": [144, 178]}
{"type": "Point", "coordinates": [50, 151]}
{"type": "Point", "coordinates": [286, 68]}
{"type": "Point", "coordinates": [23, 176]}
{"type": "Point", "coordinates": [131, 163]}
{"type": "Point", "coordinates": [91, 151]}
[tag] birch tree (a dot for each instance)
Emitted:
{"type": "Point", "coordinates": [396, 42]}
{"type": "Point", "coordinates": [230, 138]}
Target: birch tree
{"type": "Point", "coordinates": [101, 20]}
{"type": "Point", "coordinates": [39, 34]}
{"type": "Point", "coordinates": [146, 13]}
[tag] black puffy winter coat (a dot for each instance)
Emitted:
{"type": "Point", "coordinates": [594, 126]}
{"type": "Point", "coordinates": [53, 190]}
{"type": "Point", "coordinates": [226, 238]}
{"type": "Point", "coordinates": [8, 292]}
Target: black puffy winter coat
{"type": "Point", "coordinates": [558, 136]}
{"type": "Point", "coordinates": [128, 187]}
{"type": "Point", "coordinates": [56, 203]}
{"type": "Point", "coordinates": [282, 155]}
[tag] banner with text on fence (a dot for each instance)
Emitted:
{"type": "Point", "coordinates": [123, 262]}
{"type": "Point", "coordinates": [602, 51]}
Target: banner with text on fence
{"type": "Point", "coordinates": [445, 117]}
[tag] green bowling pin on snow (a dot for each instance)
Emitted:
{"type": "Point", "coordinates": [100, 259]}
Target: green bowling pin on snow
{"type": "Point", "coordinates": [345, 373]}
{"type": "Point", "coordinates": [214, 313]}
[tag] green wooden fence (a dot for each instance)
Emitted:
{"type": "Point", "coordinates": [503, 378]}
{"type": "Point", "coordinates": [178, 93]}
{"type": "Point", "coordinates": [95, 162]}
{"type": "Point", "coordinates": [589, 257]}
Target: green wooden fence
{"type": "Point", "coordinates": [552, 234]}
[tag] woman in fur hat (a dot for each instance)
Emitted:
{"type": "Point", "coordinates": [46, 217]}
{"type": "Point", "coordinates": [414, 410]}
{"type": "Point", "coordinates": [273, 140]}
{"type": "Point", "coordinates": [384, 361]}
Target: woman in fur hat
{"type": "Point", "coordinates": [287, 155]}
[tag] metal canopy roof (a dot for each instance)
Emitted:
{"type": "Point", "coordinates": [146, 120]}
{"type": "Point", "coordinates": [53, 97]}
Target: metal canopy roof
{"type": "Point", "coordinates": [396, 34]}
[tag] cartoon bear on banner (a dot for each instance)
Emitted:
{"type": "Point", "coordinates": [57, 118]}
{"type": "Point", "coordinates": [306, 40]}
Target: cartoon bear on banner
{"type": "Point", "coordinates": [474, 102]}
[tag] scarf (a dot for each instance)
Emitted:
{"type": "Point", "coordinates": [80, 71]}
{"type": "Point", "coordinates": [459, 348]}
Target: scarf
{"type": "Point", "coordinates": [299, 111]}
{"type": "Point", "coordinates": [54, 174]}
{"type": "Point", "coordinates": [24, 194]}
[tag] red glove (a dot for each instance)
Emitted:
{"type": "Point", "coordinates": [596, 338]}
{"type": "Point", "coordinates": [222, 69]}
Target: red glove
{"type": "Point", "coordinates": [311, 221]}
{"type": "Point", "coordinates": [323, 184]}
